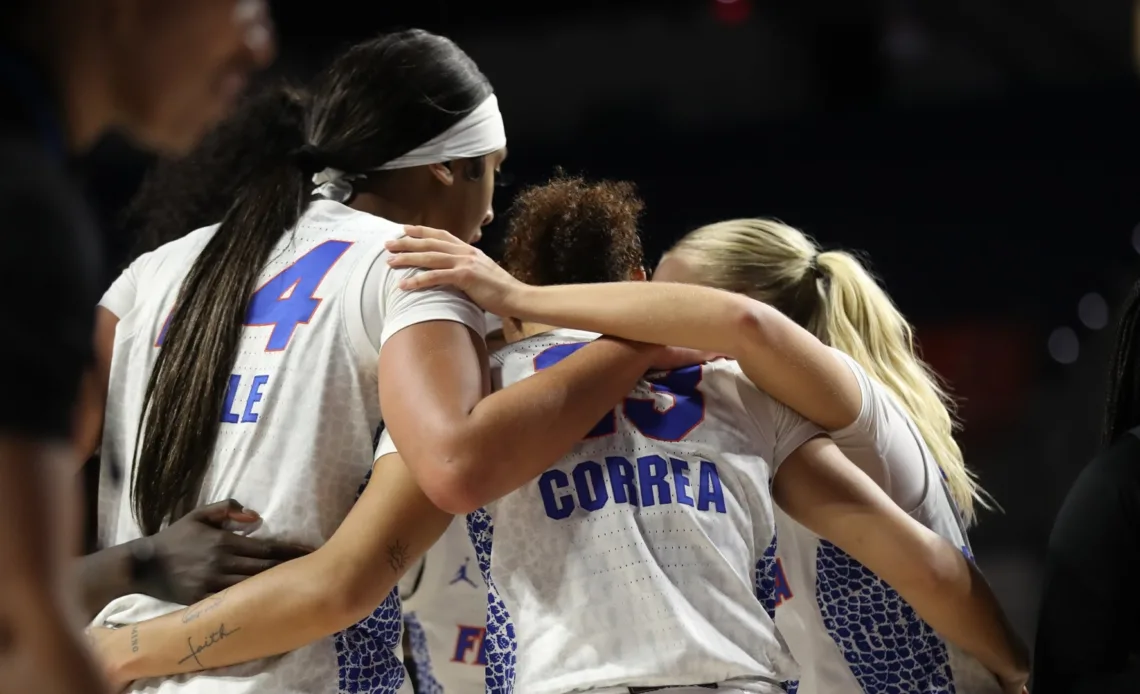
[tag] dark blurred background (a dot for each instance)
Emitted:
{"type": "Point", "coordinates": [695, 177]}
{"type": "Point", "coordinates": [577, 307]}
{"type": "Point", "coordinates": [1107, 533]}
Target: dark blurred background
{"type": "Point", "coordinates": [980, 151]}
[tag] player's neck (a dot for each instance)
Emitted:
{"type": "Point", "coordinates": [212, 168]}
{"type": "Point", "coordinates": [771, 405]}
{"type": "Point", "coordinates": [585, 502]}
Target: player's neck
{"type": "Point", "coordinates": [384, 207]}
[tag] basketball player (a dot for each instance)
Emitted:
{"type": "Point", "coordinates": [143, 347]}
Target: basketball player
{"type": "Point", "coordinates": [69, 71]}
{"type": "Point", "coordinates": [1094, 547]}
{"type": "Point", "coordinates": [600, 594]}
{"type": "Point", "coordinates": [446, 626]}
{"type": "Point", "coordinates": [285, 318]}
{"type": "Point", "coordinates": [893, 419]}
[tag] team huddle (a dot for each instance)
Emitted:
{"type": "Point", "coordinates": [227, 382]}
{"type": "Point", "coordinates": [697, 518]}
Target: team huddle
{"type": "Point", "coordinates": [737, 475]}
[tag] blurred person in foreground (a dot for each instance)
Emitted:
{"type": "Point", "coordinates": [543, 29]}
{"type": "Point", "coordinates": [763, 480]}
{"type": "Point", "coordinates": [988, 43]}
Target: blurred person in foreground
{"type": "Point", "coordinates": [162, 71]}
{"type": "Point", "coordinates": [1087, 639]}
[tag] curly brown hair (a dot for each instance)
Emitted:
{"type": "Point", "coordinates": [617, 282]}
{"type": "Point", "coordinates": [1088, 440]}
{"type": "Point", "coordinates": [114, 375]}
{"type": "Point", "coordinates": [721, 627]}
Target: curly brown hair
{"type": "Point", "coordinates": [570, 231]}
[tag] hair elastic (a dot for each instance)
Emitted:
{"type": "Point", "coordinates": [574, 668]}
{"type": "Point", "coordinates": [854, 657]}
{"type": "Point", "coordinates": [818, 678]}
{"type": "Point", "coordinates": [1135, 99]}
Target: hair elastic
{"type": "Point", "coordinates": [307, 158]}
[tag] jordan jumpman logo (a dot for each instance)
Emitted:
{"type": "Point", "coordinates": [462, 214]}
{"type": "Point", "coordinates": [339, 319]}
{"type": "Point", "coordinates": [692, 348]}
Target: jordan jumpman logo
{"type": "Point", "coordinates": [461, 574]}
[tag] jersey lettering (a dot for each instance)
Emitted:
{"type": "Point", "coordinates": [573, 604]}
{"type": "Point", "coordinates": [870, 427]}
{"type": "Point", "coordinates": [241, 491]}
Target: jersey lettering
{"type": "Point", "coordinates": [551, 356]}
{"type": "Point", "coordinates": [471, 639]}
{"type": "Point", "coordinates": [253, 396]}
{"type": "Point", "coordinates": [685, 412]}
{"type": "Point", "coordinates": [650, 480]}
{"type": "Point", "coordinates": [286, 300]}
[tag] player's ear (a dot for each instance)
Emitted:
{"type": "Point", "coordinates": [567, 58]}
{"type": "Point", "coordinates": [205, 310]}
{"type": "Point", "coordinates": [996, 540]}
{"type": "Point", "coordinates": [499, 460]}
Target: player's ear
{"type": "Point", "coordinates": [638, 274]}
{"type": "Point", "coordinates": [442, 172]}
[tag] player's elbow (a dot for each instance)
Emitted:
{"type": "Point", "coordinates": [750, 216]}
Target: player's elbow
{"type": "Point", "coordinates": [329, 591]}
{"type": "Point", "coordinates": [449, 476]}
{"type": "Point", "coordinates": [347, 593]}
{"type": "Point", "coordinates": [452, 491]}
{"type": "Point", "coordinates": [754, 323]}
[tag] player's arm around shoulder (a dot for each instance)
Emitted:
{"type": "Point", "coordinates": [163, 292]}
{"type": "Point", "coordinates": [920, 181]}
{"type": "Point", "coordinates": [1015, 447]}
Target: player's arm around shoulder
{"type": "Point", "coordinates": [388, 529]}
{"type": "Point", "coordinates": [824, 491]}
{"type": "Point", "coordinates": [793, 366]}
{"type": "Point", "coordinates": [468, 446]}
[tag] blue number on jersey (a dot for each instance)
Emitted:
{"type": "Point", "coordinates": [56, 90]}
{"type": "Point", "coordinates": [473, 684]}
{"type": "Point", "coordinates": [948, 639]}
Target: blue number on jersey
{"type": "Point", "coordinates": [686, 412]}
{"type": "Point", "coordinates": [673, 424]}
{"type": "Point", "coordinates": [287, 300]}
{"type": "Point", "coordinates": [553, 355]}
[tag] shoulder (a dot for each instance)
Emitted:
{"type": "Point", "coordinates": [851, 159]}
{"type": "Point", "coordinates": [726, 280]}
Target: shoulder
{"type": "Point", "coordinates": [881, 415]}
{"type": "Point", "coordinates": [366, 234]}
{"type": "Point", "coordinates": [732, 396]}
{"type": "Point", "coordinates": [517, 360]}
{"type": "Point", "coordinates": [557, 344]}
{"type": "Point", "coordinates": [335, 219]}
{"type": "Point", "coordinates": [873, 392]}
{"type": "Point", "coordinates": [1115, 472]}
{"type": "Point", "coordinates": [178, 253]}
{"type": "Point", "coordinates": [725, 379]}
{"type": "Point", "coordinates": [1103, 505]}
{"type": "Point", "coordinates": [190, 243]}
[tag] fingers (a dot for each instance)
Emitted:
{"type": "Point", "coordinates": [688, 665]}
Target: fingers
{"type": "Point", "coordinates": [419, 232]}
{"type": "Point", "coordinates": [221, 582]}
{"type": "Point", "coordinates": [431, 278]}
{"type": "Point", "coordinates": [407, 244]}
{"type": "Point", "coordinates": [240, 545]}
{"type": "Point", "coordinates": [245, 566]}
{"type": "Point", "coordinates": [220, 511]}
{"type": "Point", "coordinates": [430, 261]}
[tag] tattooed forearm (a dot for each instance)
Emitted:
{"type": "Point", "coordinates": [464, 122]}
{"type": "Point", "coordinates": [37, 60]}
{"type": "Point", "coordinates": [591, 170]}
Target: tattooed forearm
{"type": "Point", "coordinates": [204, 607]}
{"type": "Point", "coordinates": [398, 555]}
{"type": "Point", "coordinates": [135, 638]}
{"type": "Point", "coordinates": [212, 639]}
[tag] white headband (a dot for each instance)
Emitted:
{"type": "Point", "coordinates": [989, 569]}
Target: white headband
{"type": "Point", "coordinates": [478, 133]}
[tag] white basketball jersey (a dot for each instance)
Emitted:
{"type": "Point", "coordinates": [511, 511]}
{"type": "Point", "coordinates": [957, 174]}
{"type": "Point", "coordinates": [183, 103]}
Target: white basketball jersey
{"type": "Point", "coordinates": [631, 561]}
{"type": "Point", "coordinates": [445, 614]}
{"type": "Point", "coordinates": [849, 631]}
{"type": "Point", "coordinates": [297, 424]}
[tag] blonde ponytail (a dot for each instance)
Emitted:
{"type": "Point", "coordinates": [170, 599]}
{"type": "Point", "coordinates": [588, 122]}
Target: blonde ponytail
{"type": "Point", "coordinates": [859, 319]}
{"type": "Point", "coordinates": [834, 297]}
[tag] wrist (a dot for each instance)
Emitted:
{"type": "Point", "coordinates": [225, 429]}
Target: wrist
{"type": "Point", "coordinates": [645, 351]}
{"type": "Point", "coordinates": [521, 300]}
{"type": "Point", "coordinates": [146, 570]}
{"type": "Point", "coordinates": [123, 656]}
{"type": "Point", "coordinates": [1013, 676]}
